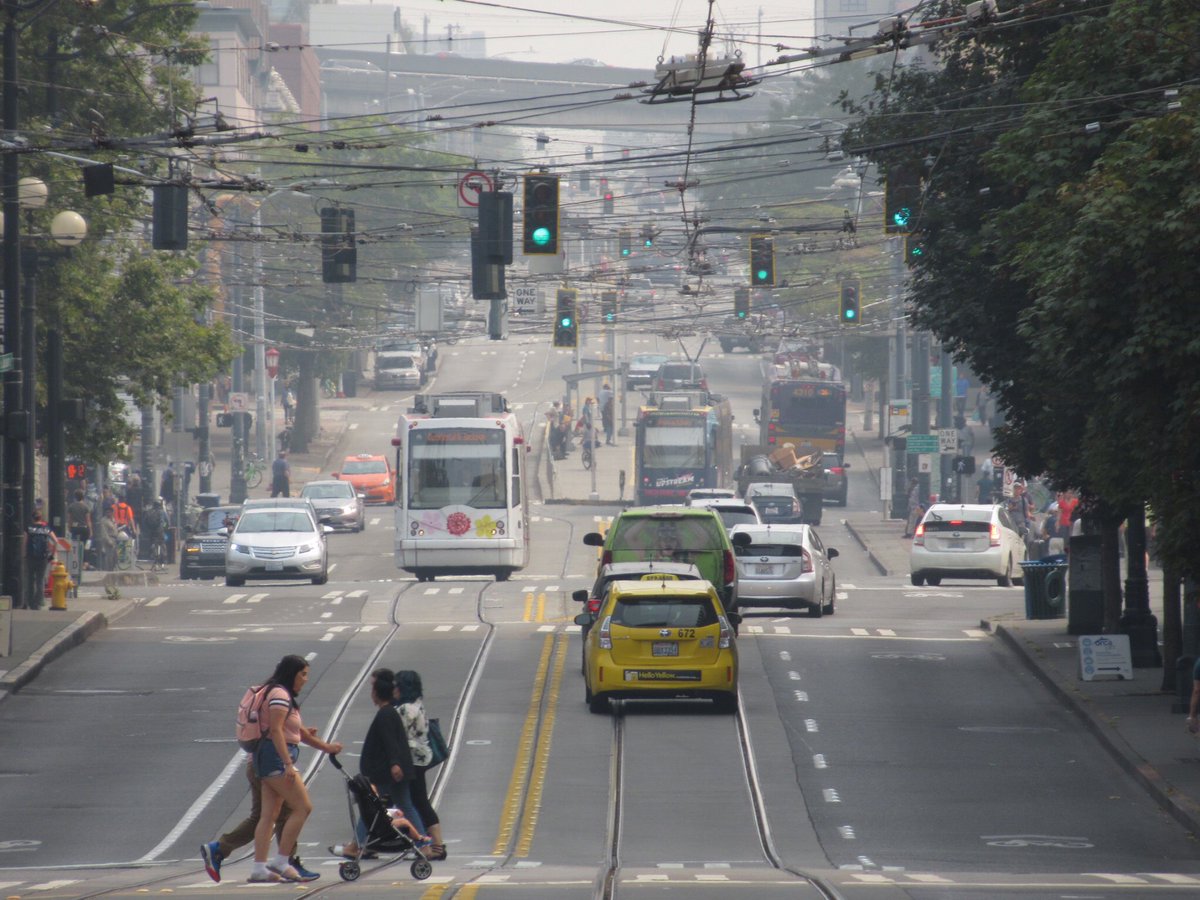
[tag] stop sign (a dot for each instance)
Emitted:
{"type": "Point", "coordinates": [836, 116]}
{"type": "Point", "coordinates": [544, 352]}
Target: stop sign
{"type": "Point", "coordinates": [272, 356]}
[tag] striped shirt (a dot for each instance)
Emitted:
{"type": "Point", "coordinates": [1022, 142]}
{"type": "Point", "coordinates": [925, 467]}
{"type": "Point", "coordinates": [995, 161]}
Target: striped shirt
{"type": "Point", "coordinates": [279, 698]}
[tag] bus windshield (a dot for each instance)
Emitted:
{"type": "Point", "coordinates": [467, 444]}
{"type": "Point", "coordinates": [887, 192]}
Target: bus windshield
{"type": "Point", "coordinates": [677, 447]}
{"type": "Point", "coordinates": [456, 467]}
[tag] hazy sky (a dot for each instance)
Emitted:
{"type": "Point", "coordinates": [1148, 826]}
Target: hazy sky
{"type": "Point", "coordinates": [616, 32]}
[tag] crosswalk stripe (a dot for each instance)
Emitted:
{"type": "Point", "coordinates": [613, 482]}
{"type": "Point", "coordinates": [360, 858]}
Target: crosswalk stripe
{"type": "Point", "coordinates": [53, 885]}
{"type": "Point", "coordinates": [444, 628]}
{"type": "Point", "coordinates": [256, 598]}
{"type": "Point", "coordinates": [1118, 879]}
{"type": "Point", "coordinates": [782, 629]}
{"type": "Point", "coordinates": [157, 601]}
{"type": "Point", "coordinates": [332, 595]}
{"type": "Point", "coordinates": [233, 598]}
{"type": "Point", "coordinates": [456, 590]}
{"type": "Point", "coordinates": [929, 879]}
{"type": "Point", "coordinates": [429, 591]}
{"type": "Point", "coordinates": [1174, 879]}
{"type": "Point", "coordinates": [470, 628]}
{"type": "Point", "coordinates": [357, 594]}
{"type": "Point", "coordinates": [861, 632]}
{"type": "Point", "coordinates": [886, 632]}
{"type": "Point", "coordinates": [975, 632]}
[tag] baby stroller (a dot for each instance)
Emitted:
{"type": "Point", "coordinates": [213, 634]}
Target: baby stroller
{"type": "Point", "coordinates": [382, 836]}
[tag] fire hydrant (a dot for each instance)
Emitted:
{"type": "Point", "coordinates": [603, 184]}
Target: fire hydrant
{"type": "Point", "coordinates": [60, 583]}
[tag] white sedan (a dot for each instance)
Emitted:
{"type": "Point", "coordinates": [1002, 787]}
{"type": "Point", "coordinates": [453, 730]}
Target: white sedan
{"type": "Point", "coordinates": [966, 541]}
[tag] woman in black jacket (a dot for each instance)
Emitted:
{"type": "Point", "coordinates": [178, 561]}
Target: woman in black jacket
{"type": "Point", "coordinates": [386, 759]}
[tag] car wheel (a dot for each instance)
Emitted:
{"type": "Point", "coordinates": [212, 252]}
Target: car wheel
{"type": "Point", "coordinates": [726, 704]}
{"type": "Point", "coordinates": [829, 607]}
{"type": "Point", "coordinates": [1006, 579]}
{"type": "Point", "coordinates": [595, 704]}
{"type": "Point", "coordinates": [934, 580]}
{"type": "Point", "coordinates": [726, 347]}
{"type": "Point", "coordinates": [230, 581]}
{"type": "Point", "coordinates": [503, 575]}
{"type": "Point", "coordinates": [323, 578]}
{"type": "Point", "coordinates": [917, 580]}
{"type": "Point", "coordinates": [841, 501]}
{"type": "Point", "coordinates": [362, 524]}
{"type": "Point", "coordinates": [816, 610]}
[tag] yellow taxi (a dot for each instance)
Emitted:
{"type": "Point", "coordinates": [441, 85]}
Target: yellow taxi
{"type": "Point", "coordinates": [660, 639]}
{"type": "Point", "coordinates": [372, 476]}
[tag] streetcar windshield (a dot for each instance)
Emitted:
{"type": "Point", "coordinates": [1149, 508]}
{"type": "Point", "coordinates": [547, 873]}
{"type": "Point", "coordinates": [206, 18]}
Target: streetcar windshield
{"type": "Point", "coordinates": [809, 403]}
{"type": "Point", "coordinates": [456, 467]}
{"type": "Point", "coordinates": [673, 447]}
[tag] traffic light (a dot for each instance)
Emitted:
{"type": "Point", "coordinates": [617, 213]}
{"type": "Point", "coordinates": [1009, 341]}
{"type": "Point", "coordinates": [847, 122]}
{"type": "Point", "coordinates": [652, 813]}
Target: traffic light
{"type": "Point", "coordinates": [625, 242]}
{"type": "Point", "coordinates": [566, 325]}
{"type": "Point", "coordinates": [851, 291]}
{"type": "Point", "coordinates": [647, 236]}
{"type": "Point", "coordinates": [76, 470]}
{"type": "Point", "coordinates": [608, 203]}
{"type": "Point", "coordinates": [762, 260]}
{"type": "Point", "coordinates": [608, 307]}
{"type": "Point", "coordinates": [902, 206]}
{"type": "Point", "coordinates": [540, 221]}
{"type": "Point", "coordinates": [914, 248]}
{"type": "Point", "coordinates": [741, 302]}
{"type": "Point", "coordinates": [339, 252]}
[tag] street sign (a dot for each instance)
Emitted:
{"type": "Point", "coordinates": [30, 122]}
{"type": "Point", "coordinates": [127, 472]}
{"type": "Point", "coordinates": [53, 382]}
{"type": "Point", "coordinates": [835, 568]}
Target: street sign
{"type": "Point", "coordinates": [948, 440]}
{"type": "Point", "coordinates": [6, 361]}
{"type": "Point", "coordinates": [524, 298]}
{"type": "Point", "coordinates": [922, 443]}
{"type": "Point", "coordinates": [470, 186]}
{"type": "Point", "coordinates": [238, 401]}
{"type": "Point", "coordinates": [899, 416]}
{"type": "Point", "coordinates": [924, 464]}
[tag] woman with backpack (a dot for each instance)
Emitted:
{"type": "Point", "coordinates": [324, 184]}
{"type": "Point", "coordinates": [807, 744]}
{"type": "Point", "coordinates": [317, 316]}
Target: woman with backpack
{"type": "Point", "coordinates": [416, 723]}
{"type": "Point", "coordinates": [275, 764]}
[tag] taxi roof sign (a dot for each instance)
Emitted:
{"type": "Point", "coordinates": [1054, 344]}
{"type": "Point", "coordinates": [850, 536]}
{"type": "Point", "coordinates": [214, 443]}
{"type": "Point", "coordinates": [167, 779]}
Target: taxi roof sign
{"type": "Point", "coordinates": [660, 576]}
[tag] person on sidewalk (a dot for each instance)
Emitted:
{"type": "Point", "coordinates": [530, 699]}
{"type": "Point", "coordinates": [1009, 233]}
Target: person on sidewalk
{"type": "Point", "coordinates": [281, 476]}
{"type": "Point", "coordinates": [40, 545]}
{"type": "Point", "coordinates": [916, 509]}
{"type": "Point", "coordinates": [216, 852]}
{"type": "Point", "coordinates": [607, 411]}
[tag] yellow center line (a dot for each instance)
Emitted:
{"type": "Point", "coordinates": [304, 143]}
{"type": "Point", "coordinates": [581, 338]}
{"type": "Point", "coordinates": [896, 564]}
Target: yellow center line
{"type": "Point", "coordinates": [541, 607]}
{"type": "Point", "coordinates": [533, 805]}
{"type": "Point", "coordinates": [528, 607]}
{"type": "Point", "coordinates": [434, 892]}
{"type": "Point", "coordinates": [520, 771]}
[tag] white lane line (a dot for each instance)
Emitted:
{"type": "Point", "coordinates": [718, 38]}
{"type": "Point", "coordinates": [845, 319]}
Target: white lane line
{"type": "Point", "coordinates": [235, 766]}
{"type": "Point", "coordinates": [157, 601]}
{"type": "Point", "coordinates": [332, 595]}
{"type": "Point", "coordinates": [256, 598]}
{"type": "Point", "coordinates": [359, 593]}
{"type": "Point", "coordinates": [831, 795]}
{"type": "Point", "coordinates": [811, 725]}
{"type": "Point", "coordinates": [860, 632]}
{"type": "Point", "coordinates": [233, 598]}
{"type": "Point", "coordinates": [801, 696]}
{"type": "Point", "coordinates": [886, 632]}
{"type": "Point", "coordinates": [470, 628]}
{"type": "Point", "coordinates": [444, 628]}
{"type": "Point", "coordinates": [455, 590]}
{"type": "Point", "coordinates": [819, 761]}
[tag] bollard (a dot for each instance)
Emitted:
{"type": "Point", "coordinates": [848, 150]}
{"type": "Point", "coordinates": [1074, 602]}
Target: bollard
{"type": "Point", "coordinates": [60, 583]}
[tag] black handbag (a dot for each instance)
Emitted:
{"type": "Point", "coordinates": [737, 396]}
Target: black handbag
{"type": "Point", "coordinates": [437, 744]}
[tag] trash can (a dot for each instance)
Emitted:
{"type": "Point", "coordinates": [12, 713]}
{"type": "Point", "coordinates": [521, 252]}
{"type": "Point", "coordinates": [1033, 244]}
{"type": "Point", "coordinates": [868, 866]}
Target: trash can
{"type": "Point", "coordinates": [208, 500]}
{"type": "Point", "coordinates": [350, 383]}
{"type": "Point", "coordinates": [1045, 588]}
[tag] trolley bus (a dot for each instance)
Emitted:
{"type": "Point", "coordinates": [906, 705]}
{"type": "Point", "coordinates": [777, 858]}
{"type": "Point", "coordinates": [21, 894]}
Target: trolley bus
{"type": "Point", "coordinates": [801, 408]}
{"type": "Point", "coordinates": [462, 500]}
{"type": "Point", "coordinates": [684, 442]}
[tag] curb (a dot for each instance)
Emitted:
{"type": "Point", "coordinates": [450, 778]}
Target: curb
{"type": "Point", "coordinates": [74, 635]}
{"type": "Point", "coordinates": [875, 560]}
{"type": "Point", "coordinates": [1181, 808]}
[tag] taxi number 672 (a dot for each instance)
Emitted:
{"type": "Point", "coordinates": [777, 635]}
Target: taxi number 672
{"type": "Point", "coordinates": [685, 632]}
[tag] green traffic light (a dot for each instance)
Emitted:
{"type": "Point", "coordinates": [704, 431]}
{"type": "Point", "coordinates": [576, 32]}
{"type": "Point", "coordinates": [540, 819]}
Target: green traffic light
{"type": "Point", "coordinates": [648, 243]}
{"type": "Point", "coordinates": [901, 217]}
{"type": "Point", "coordinates": [625, 251]}
{"type": "Point", "coordinates": [741, 314]}
{"type": "Point", "coordinates": [850, 315]}
{"type": "Point", "coordinates": [761, 275]}
{"type": "Point", "coordinates": [541, 236]}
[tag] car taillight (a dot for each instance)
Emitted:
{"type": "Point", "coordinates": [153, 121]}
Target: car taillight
{"type": "Point", "coordinates": [704, 384]}
{"type": "Point", "coordinates": [730, 567]}
{"type": "Point", "coordinates": [604, 639]}
{"type": "Point", "coordinates": [806, 562]}
{"type": "Point", "coordinates": [606, 558]}
{"type": "Point", "coordinates": [725, 641]}
{"type": "Point", "coordinates": [836, 470]}
{"type": "Point", "coordinates": [994, 535]}
{"type": "Point", "coordinates": [919, 535]}
{"type": "Point", "coordinates": [593, 605]}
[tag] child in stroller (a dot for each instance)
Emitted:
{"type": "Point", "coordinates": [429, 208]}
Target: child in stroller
{"type": "Point", "coordinates": [378, 830]}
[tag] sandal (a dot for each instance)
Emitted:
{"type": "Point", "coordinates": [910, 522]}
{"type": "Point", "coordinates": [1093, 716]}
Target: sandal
{"type": "Point", "coordinates": [437, 852]}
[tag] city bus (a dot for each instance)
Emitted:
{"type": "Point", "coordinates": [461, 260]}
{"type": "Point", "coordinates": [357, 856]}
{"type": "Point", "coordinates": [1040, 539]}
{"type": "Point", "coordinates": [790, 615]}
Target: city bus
{"type": "Point", "coordinates": [685, 441]}
{"type": "Point", "coordinates": [801, 408]}
{"type": "Point", "coordinates": [462, 501]}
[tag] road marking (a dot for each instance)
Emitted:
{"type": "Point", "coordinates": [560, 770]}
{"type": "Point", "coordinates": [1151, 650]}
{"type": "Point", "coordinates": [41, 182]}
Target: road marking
{"type": "Point", "coordinates": [157, 601]}
{"type": "Point", "coordinates": [233, 598]}
{"type": "Point", "coordinates": [860, 632]}
{"type": "Point", "coordinates": [429, 591]}
{"type": "Point", "coordinates": [332, 595]}
{"type": "Point", "coordinates": [793, 676]}
{"type": "Point", "coordinates": [332, 566]}
{"type": "Point", "coordinates": [811, 725]}
{"type": "Point", "coordinates": [1174, 879]}
{"type": "Point", "coordinates": [327, 636]}
{"type": "Point", "coordinates": [819, 761]}
{"type": "Point", "coordinates": [782, 629]}
{"type": "Point", "coordinates": [444, 628]}
{"type": "Point", "coordinates": [355, 594]}
{"type": "Point", "coordinates": [841, 595]}
{"type": "Point", "coordinates": [235, 766]}
{"type": "Point", "coordinates": [801, 696]}
{"type": "Point", "coordinates": [785, 655]}
{"type": "Point", "coordinates": [846, 831]}
{"type": "Point", "coordinates": [470, 628]}
{"type": "Point", "coordinates": [549, 628]}
{"type": "Point", "coordinates": [929, 879]}
{"type": "Point", "coordinates": [52, 885]}
{"type": "Point", "coordinates": [455, 590]}
{"type": "Point", "coordinates": [831, 795]}
{"type": "Point", "coordinates": [256, 598]}
{"type": "Point", "coordinates": [975, 632]}
{"type": "Point", "coordinates": [1117, 879]}
{"type": "Point", "coordinates": [374, 520]}
{"type": "Point", "coordinates": [352, 426]}
{"type": "Point", "coordinates": [886, 632]}
{"type": "Point", "coordinates": [326, 615]}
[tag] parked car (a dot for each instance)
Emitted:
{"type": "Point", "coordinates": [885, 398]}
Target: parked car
{"type": "Point", "coordinates": [202, 554]}
{"type": "Point", "coordinates": [277, 543]}
{"type": "Point", "coordinates": [785, 566]}
{"type": "Point", "coordinates": [643, 368]}
{"type": "Point", "coordinates": [372, 476]}
{"type": "Point", "coordinates": [672, 534]}
{"type": "Point", "coordinates": [975, 540]}
{"type": "Point", "coordinates": [337, 503]}
{"type": "Point", "coordinates": [680, 376]}
{"type": "Point", "coordinates": [659, 640]}
{"type": "Point", "coordinates": [398, 370]}
{"type": "Point", "coordinates": [837, 481]}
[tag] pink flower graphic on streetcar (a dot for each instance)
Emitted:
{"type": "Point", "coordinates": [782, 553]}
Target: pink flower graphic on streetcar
{"type": "Point", "coordinates": [458, 523]}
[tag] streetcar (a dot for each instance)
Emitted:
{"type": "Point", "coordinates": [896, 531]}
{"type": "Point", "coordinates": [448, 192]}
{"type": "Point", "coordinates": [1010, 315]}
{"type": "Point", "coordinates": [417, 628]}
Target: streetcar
{"type": "Point", "coordinates": [462, 504]}
{"type": "Point", "coordinates": [803, 404]}
{"type": "Point", "coordinates": [684, 441]}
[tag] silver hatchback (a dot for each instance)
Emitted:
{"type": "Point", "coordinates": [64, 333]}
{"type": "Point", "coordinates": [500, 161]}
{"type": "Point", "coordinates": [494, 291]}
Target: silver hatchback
{"type": "Point", "coordinates": [785, 566]}
{"type": "Point", "coordinates": [337, 503]}
{"type": "Point", "coordinates": [277, 544]}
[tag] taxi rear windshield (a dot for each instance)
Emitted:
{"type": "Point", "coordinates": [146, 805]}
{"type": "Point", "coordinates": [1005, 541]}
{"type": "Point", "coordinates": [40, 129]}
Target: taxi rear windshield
{"type": "Point", "coordinates": [664, 612]}
{"type": "Point", "coordinates": [958, 525]}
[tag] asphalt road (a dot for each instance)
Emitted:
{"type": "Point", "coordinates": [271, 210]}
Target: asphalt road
{"type": "Point", "coordinates": [891, 750]}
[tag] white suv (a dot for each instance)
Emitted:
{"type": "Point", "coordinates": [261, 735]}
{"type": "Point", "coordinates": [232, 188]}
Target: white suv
{"type": "Point", "coordinates": [966, 541]}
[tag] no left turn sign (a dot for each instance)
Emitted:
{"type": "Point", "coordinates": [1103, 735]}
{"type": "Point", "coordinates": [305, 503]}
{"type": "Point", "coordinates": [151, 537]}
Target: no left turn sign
{"type": "Point", "coordinates": [470, 186]}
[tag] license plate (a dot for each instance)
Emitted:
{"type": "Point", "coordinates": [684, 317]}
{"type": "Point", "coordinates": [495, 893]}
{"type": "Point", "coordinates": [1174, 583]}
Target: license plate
{"type": "Point", "coordinates": [664, 648]}
{"type": "Point", "coordinates": [764, 570]}
{"type": "Point", "coordinates": [956, 545]}
{"type": "Point", "coordinates": [274, 567]}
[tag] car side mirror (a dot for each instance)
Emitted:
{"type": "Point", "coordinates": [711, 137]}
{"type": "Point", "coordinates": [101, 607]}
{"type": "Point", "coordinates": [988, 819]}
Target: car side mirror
{"type": "Point", "coordinates": [580, 596]}
{"type": "Point", "coordinates": [741, 539]}
{"type": "Point", "coordinates": [336, 475]}
{"type": "Point", "coordinates": [326, 529]}
{"type": "Point", "coordinates": [583, 619]}
{"type": "Point", "coordinates": [594, 539]}
{"type": "Point", "coordinates": [831, 553]}
{"type": "Point", "coordinates": [361, 496]}
{"type": "Point", "coordinates": [845, 465]}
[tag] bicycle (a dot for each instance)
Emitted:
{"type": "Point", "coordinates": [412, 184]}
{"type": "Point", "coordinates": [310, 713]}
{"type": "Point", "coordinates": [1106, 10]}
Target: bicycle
{"type": "Point", "coordinates": [253, 471]}
{"type": "Point", "coordinates": [158, 555]}
{"type": "Point", "coordinates": [125, 552]}
{"type": "Point", "coordinates": [586, 456]}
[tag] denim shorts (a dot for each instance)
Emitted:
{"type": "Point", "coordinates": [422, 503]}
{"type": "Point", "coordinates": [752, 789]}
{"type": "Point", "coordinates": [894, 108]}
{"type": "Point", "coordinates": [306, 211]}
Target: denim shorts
{"type": "Point", "coordinates": [267, 763]}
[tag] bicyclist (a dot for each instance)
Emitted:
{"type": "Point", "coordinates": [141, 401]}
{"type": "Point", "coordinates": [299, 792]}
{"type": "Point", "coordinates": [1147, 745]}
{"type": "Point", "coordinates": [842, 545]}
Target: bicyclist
{"type": "Point", "coordinates": [154, 526]}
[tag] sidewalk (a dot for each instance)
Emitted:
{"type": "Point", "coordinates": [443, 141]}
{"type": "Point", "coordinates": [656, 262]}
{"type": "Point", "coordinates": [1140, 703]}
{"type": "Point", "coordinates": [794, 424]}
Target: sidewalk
{"type": "Point", "coordinates": [40, 636]}
{"type": "Point", "coordinates": [1133, 721]}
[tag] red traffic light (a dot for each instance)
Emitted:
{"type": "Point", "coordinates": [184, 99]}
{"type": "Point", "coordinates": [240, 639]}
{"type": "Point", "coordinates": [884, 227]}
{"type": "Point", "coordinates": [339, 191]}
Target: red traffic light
{"type": "Point", "coordinates": [76, 471]}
